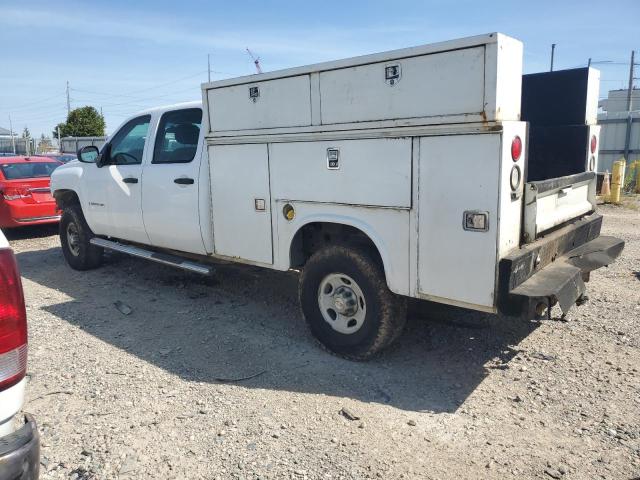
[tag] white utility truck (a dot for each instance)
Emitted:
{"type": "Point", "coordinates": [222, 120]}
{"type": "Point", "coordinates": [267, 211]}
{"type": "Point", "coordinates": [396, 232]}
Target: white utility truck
{"type": "Point", "coordinates": [437, 172]}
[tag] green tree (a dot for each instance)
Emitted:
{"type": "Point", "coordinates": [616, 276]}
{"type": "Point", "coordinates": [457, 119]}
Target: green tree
{"type": "Point", "coordinates": [82, 122]}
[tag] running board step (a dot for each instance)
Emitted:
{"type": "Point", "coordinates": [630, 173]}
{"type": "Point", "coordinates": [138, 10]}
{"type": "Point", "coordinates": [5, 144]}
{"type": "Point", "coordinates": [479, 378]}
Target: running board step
{"type": "Point", "coordinates": [164, 258]}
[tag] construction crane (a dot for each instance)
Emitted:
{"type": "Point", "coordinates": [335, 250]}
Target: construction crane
{"type": "Point", "coordinates": [256, 61]}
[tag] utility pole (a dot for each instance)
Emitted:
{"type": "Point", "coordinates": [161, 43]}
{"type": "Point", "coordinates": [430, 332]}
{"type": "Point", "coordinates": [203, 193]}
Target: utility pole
{"type": "Point", "coordinates": [627, 140]}
{"type": "Point", "coordinates": [630, 91]}
{"type": "Point", "coordinates": [209, 66]}
{"type": "Point", "coordinates": [13, 140]}
{"type": "Point", "coordinates": [59, 140]}
{"type": "Point", "coordinates": [68, 101]}
{"type": "Point", "coordinates": [553, 51]}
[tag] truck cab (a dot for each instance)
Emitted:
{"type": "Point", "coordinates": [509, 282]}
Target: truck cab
{"type": "Point", "coordinates": [153, 166]}
{"type": "Point", "coordinates": [434, 172]}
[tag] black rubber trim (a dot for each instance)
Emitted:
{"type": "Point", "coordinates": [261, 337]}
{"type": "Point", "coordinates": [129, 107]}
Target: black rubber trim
{"type": "Point", "coordinates": [562, 281]}
{"type": "Point", "coordinates": [522, 264]}
{"type": "Point", "coordinates": [543, 186]}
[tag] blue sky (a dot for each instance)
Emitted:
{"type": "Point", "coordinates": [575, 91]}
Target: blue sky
{"type": "Point", "coordinates": [123, 56]}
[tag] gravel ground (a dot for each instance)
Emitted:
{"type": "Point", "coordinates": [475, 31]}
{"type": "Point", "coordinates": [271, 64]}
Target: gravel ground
{"type": "Point", "coordinates": [219, 379]}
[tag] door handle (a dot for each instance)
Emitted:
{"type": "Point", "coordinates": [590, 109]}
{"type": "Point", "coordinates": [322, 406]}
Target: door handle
{"type": "Point", "coordinates": [183, 181]}
{"type": "Point", "coordinates": [130, 180]}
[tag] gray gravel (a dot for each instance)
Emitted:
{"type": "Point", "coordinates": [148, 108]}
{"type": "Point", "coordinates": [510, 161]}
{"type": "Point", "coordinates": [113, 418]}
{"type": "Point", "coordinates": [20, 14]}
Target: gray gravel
{"type": "Point", "coordinates": [163, 391]}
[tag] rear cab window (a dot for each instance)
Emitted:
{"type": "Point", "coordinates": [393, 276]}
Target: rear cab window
{"type": "Point", "coordinates": [177, 137]}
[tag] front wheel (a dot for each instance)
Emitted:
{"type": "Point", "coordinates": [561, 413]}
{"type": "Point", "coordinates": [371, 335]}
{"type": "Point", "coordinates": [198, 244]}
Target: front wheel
{"type": "Point", "coordinates": [347, 304]}
{"type": "Point", "coordinates": [75, 235]}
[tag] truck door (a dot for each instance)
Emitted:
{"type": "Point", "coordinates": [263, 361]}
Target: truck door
{"type": "Point", "coordinates": [170, 186]}
{"type": "Point", "coordinates": [241, 202]}
{"type": "Point", "coordinates": [122, 176]}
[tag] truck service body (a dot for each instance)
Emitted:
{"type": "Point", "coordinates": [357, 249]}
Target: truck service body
{"type": "Point", "coordinates": [400, 174]}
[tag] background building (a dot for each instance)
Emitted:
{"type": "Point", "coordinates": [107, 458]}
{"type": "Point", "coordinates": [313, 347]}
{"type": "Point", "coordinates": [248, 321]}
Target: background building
{"type": "Point", "coordinates": [620, 128]}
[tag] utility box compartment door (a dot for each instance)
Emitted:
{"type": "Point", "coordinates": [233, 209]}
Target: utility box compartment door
{"type": "Point", "coordinates": [355, 172]}
{"type": "Point", "coordinates": [446, 83]}
{"type": "Point", "coordinates": [284, 102]}
{"type": "Point", "coordinates": [241, 202]}
{"type": "Point", "coordinates": [458, 173]}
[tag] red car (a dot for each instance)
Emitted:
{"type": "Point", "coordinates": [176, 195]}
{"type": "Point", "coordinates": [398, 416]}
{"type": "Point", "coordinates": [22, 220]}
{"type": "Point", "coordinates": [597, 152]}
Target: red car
{"type": "Point", "coordinates": [25, 196]}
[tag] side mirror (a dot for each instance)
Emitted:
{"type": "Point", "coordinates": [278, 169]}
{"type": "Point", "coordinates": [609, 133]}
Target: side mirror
{"type": "Point", "coordinates": [88, 154]}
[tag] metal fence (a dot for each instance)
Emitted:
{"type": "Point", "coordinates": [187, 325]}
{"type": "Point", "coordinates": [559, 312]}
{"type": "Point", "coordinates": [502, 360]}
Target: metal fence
{"type": "Point", "coordinates": [620, 134]}
{"type": "Point", "coordinates": [17, 145]}
{"type": "Point", "coordinates": [73, 144]}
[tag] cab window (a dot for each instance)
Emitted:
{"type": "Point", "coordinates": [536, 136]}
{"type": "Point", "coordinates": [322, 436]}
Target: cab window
{"type": "Point", "coordinates": [127, 145]}
{"type": "Point", "coordinates": [177, 138]}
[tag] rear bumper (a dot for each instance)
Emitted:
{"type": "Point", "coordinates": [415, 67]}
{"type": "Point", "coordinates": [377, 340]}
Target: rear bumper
{"type": "Point", "coordinates": [20, 453]}
{"type": "Point", "coordinates": [19, 214]}
{"type": "Point", "coordinates": [553, 269]}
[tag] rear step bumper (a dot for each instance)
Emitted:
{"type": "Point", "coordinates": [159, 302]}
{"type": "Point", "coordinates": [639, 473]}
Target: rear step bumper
{"type": "Point", "coordinates": [158, 257]}
{"type": "Point", "coordinates": [554, 268]}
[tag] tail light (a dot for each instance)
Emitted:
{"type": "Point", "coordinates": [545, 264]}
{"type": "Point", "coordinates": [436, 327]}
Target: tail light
{"type": "Point", "coordinates": [13, 323]}
{"type": "Point", "coordinates": [516, 148]}
{"type": "Point", "coordinates": [594, 143]}
{"type": "Point", "coordinates": [12, 193]}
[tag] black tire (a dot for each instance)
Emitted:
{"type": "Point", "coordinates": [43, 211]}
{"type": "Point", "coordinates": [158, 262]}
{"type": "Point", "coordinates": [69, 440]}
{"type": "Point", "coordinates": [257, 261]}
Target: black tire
{"type": "Point", "coordinates": [79, 254]}
{"type": "Point", "coordinates": [383, 319]}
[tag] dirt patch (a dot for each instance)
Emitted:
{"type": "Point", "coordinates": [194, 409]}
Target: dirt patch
{"type": "Point", "coordinates": [220, 379]}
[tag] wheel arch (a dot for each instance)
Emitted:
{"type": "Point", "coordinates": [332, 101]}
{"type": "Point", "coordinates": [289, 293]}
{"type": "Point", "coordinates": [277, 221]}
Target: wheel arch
{"type": "Point", "coordinates": [65, 197]}
{"type": "Point", "coordinates": [315, 232]}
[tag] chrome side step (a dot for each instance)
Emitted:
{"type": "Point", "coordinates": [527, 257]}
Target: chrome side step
{"type": "Point", "coordinates": [159, 257]}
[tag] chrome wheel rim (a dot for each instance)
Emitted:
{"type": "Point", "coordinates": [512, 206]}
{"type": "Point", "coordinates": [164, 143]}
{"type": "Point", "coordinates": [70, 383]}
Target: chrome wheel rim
{"type": "Point", "coordinates": [73, 239]}
{"type": "Point", "coordinates": [342, 303]}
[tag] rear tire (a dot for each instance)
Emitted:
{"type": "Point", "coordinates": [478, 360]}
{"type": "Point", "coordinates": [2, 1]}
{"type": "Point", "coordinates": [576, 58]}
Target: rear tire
{"type": "Point", "coordinates": [347, 305]}
{"type": "Point", "coordinates": [75, 235]}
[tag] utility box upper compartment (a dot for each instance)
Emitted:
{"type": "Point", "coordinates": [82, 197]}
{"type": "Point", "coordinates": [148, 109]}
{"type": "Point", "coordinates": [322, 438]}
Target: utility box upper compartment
{"type": "Point", "coordinates": [475, 79]}
{"type": "Point", "coordinates": [561, 108]}
{"type": "Point", "coordinates": [563, 97]}
{"type": "Point", "coordinates": [268, 104]}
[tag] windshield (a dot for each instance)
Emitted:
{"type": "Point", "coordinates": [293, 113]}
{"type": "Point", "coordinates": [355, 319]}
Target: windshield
{"type": "Point", "coordinates": [15, 171]}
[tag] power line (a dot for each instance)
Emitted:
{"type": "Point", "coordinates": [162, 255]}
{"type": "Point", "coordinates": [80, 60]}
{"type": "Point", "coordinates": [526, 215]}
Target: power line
{"type": "Point", "coordinates": [24, 105]}
{"type": "Point", "coordinates": [131, 94]}
{"type": "Point", "coordinates": [133, 102]}
{"type": "Point", "coordinates": [171, 82]}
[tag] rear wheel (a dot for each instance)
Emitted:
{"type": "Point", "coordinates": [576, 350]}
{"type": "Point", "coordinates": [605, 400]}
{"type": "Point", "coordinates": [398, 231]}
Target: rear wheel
{"type": "Point", "coordinates": [347, 304]}
{"type": "Point", "coordinates": [75, 235]}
